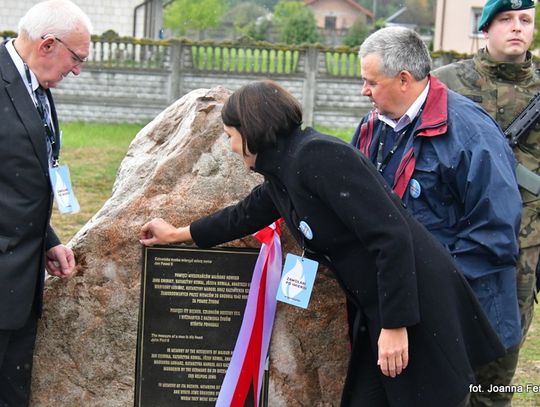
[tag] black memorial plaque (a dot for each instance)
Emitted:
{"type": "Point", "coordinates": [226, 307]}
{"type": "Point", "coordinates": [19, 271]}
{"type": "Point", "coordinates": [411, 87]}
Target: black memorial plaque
{"type": "Point", "coordinates": [192, 303]}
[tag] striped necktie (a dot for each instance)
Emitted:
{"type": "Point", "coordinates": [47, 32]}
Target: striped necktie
{"type": "Point", "coordinates": [45, 114]}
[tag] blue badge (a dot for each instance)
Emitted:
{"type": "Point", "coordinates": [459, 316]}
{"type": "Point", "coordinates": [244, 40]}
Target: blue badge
{"type": "Point", "coordinates": [297, 281]}
{"type": "Point", "coordinates": [63, 192]}
{"type": "Point", "coordinates": [306, 230]}
{"type": "Point", "coordinates": [414, 188]}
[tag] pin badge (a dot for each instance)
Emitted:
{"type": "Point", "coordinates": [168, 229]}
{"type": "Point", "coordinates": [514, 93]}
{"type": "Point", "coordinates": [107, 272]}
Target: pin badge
{"type": "Point", "coordinates": [414, 188]}
{"type": "Point", "coordinates": [306, 230]}
{"type": "Point", "coordinates": [516, 4]}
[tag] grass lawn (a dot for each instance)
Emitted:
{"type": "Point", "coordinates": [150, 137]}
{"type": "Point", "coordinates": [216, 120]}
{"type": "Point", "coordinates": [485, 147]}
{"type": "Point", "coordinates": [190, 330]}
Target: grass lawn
{"type": "Point", "coordinates": [93, 153]}
{"type": "Point", "coordinates": [528, 370]}
{"type": "Point", "coordinates": [343, 134]}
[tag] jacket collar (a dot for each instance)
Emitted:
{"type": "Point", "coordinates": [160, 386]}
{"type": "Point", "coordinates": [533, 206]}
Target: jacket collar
{"type": "Point", "coordinates": [507, 71]}
{"type": "Point", "coordinates": [434, 117]}
{"type": "Point", "coordinates": [274, 160]}
{"type": "Point", "coordinates": [8, 70]}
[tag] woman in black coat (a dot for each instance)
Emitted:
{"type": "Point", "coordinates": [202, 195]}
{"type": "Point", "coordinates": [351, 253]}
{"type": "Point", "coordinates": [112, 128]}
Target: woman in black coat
{"type": "Point", "coordinates": [417, 330]}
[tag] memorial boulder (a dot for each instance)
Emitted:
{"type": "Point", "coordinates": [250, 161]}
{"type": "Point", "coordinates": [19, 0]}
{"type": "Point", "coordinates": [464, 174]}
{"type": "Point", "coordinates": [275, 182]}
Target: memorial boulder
{"type": "Point", "coordinates": [179, 167]}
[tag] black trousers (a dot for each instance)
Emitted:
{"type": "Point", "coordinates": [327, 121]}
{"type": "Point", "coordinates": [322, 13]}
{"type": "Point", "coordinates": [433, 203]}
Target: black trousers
{"type": "Point", "coordinates": [16, 355]}
{"type": "Point", "coordinates": [363, 387]}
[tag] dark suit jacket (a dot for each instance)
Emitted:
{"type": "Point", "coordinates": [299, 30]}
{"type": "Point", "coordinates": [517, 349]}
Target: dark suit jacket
{"type": "Point", "coordinates": [392, 270]}
{"type": "Point", "coordinates": [25, 198]}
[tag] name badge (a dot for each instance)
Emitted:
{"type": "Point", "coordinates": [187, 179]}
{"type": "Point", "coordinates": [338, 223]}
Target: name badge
{"type": "Point", "coordinates": [63, 192]}
{"type": "Point", "coordinates": [297, 281]}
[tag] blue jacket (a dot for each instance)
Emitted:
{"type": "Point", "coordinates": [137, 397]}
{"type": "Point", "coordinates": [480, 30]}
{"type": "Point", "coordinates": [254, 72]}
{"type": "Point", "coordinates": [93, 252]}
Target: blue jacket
{"type": "Point", "coordinates": [456, 176]}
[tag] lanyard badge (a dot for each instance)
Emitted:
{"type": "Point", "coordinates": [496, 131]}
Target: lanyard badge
{"type": "Point", "coordinates": [298, 275]}
{"type": "Point", "coordinates": [297, 280]}
{"type": "Point", "coordinates": [63, 192]}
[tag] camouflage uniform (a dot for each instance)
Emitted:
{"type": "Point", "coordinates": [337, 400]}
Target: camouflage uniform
{"type": "Point", "coordinates": [504, 89]}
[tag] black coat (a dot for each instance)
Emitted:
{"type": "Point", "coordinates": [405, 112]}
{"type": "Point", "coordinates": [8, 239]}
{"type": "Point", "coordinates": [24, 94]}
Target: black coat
{"type": "Point", "coordinates": [391, 269]}
{"type": "Point", "coordinates": [25, 198]}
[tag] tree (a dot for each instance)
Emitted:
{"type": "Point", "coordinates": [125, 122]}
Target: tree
{"type": "Point", "coordinates": [385, 8]}
{"type": "Point", "coordinates": [244, 13]}
{"type": "Point", "coordinates": [259, 30]}
{"type": "Point", "coordinates": [356, 34]}
{"type": "Point", "coordinates": [249, 19]}
{"type": "Point", "coordinates": [183, 15]}
{"type": "Point", "coordinates": [296, 23]}
{"type": "Point", "coordinates": [267, 4]}
{"type": "Point", "coordinates": [424, 11]}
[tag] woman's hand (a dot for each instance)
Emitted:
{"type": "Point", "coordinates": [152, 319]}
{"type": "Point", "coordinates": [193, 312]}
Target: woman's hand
{"type": "Point", "coordinates": [393, 351]}
{"type": "Point", "coordinates": [157, 231]}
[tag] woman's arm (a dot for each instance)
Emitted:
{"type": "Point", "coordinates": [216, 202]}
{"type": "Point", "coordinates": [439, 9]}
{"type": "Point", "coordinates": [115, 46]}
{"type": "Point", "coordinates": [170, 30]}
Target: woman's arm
{"type": "Point", "coordinates": [248, 216]}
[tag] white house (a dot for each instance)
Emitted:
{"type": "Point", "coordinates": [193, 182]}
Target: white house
{"type": "Point", "coordinates": [456, 23]}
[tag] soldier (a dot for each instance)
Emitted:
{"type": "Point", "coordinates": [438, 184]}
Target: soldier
{"type": "Point", "coordinates": [502, 78]}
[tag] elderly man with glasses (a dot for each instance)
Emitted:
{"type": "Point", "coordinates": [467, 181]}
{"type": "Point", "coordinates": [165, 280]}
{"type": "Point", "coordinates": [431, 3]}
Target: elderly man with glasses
{"type": "Point", "coordinates": [53, 41]}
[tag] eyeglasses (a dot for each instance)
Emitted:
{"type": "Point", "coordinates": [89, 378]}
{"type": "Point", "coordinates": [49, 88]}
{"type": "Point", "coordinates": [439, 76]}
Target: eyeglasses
{"type": "Point", "coordinates": [76, 58]}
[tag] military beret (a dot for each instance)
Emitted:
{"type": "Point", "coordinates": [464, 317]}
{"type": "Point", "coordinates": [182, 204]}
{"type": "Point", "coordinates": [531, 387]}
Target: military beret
{"type": "Point", "coordinates": [493, 7]}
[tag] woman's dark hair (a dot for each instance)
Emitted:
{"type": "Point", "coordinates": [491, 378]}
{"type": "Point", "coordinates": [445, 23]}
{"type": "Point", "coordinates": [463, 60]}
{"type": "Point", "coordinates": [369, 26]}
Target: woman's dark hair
{"type": "Point", "coordinates": [262, 111]}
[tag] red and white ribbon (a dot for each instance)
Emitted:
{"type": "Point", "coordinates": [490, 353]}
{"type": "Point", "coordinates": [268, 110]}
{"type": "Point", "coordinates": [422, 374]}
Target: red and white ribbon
{"type": "Point", "coordinates": [246, 368]}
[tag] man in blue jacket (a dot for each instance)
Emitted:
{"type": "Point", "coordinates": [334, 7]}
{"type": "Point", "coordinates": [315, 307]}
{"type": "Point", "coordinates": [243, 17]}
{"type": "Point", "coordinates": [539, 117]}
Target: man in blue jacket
{"type": "Point", "coordinates": [502, 77]}
{"type": "Point", "coordinates": [449, 162]}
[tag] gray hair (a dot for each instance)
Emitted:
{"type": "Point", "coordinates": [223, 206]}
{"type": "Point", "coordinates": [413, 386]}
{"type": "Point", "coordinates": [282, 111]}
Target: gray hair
{"type": "Point", "coordinates": [399, 49]}
{"type": "Point", "coordinates": [57, 17]}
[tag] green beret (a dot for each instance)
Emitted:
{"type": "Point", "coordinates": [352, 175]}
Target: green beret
{"type": "Point", "coordinates": [493, 7]}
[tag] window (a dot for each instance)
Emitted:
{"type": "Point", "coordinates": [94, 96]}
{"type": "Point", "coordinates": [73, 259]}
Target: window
{"type": "Point", "coordinates": [476, 12]}
{"type": "Point", "coordinates": [330, 22]}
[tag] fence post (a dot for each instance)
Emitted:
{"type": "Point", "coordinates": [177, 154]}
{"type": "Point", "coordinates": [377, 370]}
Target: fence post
{"type": "Point", "coordinates": [310, 84]}
{"type": "Point", "coordinates": [176, 79]}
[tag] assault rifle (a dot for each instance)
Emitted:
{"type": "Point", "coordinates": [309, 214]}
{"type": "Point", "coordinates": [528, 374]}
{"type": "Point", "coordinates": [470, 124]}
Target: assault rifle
{"type": "Point", "coordinates": [523, 122]}
{"type": "Point", "coordinates": [519, 127]}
